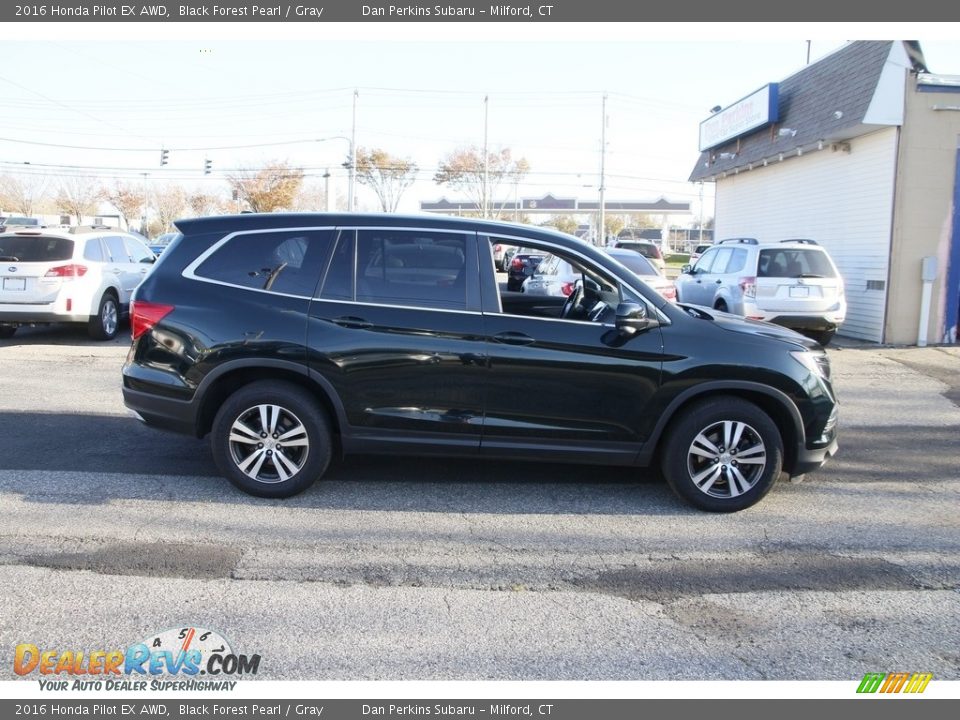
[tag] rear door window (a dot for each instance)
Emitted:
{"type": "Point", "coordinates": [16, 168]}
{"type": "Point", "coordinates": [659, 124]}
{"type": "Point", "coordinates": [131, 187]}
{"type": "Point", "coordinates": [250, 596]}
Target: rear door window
{"type": "Point", "coordinates": [280, 261]}
{"type": "Point", "coordinates": [418, 268]}
{"type": "Point", "coordinates": [116, 249]}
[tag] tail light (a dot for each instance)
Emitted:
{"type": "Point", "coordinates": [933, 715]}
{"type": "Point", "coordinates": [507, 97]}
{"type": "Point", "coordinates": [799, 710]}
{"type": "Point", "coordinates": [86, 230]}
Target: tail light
{"type": "Point", "coordinates": [66, 271]}
{"type": "Point", "coordinates": [670, 293]}
{"type": "Point", "coordinates": [567, 288]}
{"type": "Point", "coordinates": [516, 264]}
{"type": "Point", "coordinates": [749, 286]}
{"type": "Point", "coordinates": [144, 315]}
{"type": "Point", "coordinates": [497, 248]}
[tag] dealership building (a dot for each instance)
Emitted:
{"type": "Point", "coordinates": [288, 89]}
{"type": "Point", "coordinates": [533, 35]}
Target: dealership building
{"type": "Point", "coordinates": [859, 151]}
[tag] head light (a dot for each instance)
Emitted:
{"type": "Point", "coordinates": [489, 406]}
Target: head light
{"type": "Point", "coordinates": [816, 362]}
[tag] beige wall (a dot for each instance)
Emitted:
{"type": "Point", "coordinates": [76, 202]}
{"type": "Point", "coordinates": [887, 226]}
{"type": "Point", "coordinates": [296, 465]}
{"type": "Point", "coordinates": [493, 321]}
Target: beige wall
{"type": "Point", "coordinates": [922, 211]}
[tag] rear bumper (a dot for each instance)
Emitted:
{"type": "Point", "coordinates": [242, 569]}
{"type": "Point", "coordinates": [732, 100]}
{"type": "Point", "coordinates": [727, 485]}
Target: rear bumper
{"type": "Point", "coordinates": [166, 413]}
{"type": "Point", "coordinates": [28, 314]}
{"type": "Point", "coordinates": [807, 322]}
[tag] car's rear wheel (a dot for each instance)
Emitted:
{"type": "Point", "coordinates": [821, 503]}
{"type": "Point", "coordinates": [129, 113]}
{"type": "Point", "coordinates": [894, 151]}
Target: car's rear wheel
{"type": "Point", "coordinates": [104, 325]}
{"type": "Point", "coordinates": [271, 439]}
{"type": "Point", "coordinates": [722, 455]}
{"type": "Point", "coordinates": [721, 306]}
{"type": "Point", "coordinates": [7, 331]}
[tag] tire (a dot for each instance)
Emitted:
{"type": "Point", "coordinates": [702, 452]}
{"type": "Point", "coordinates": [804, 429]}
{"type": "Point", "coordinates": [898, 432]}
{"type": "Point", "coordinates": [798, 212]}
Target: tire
{"type": "Point", "coordinates": [7, 331]}
{"type": "Point", "coordinates": [104, 325]}
{"type": "Point", "coordinates": [268, 411]}
{"type": "Point", "coordinates": [821, 336]}
{"type": "Point", "coordinates": [695, 444]}
{"type": "Point", "coordinates": [721, 306]}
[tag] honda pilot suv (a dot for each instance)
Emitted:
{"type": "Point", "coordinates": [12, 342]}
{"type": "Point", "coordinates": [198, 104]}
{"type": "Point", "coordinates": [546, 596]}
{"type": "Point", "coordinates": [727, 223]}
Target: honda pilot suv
{"type": "Point", "coordinates": [793, 283]}
{"type": "Point", "coordinates": [288, 338]}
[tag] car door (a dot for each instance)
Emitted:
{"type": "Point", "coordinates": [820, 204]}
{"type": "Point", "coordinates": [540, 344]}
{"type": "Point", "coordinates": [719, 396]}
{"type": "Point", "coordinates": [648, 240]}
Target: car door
{"type": "Point", "coordinates": [568, 386]}
{"type": "Point", "coordinates": [396, 333]}
{"type": "Point", "coordinates": [691, 285]}
{"type": "Point", "coordinates": [120, 271]}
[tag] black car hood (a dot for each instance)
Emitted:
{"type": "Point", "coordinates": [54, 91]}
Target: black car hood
{"type": "Point", "coordinates": [738, 324]}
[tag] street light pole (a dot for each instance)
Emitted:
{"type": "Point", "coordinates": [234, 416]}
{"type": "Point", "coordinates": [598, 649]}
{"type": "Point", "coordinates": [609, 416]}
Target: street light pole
{"type": "Point", "coordinates": [143, 217]}
{"type": "Point", "coordinates": [353, 157]}
{"type": "Point", "coordinates": [486, 153]}
{"type": "Point", "coordinates": [601, 231]}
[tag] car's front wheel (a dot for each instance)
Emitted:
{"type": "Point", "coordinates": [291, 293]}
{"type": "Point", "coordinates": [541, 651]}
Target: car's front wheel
{"type": "Point", "coordinates": [271, 439]}
{"type": "Point", "coordinates": [722, 455]}
{"type": "Point", "coordinates": [7, 331]}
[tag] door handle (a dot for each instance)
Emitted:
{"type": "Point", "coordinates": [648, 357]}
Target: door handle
{"type": "Point", "coordinates": [719, 282]}
{"type": "Point", "coordinates": [355, 323]}
{"type": "Point", "coordinates": [514, 338]}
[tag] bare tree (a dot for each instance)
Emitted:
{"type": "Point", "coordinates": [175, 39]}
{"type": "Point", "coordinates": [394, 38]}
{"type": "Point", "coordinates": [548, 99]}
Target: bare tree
{"type": "Point", "coordinates": [78, 195]}
{"type": "Point", "coordinates": [22, 194]}
{"type": "Point", "coordinates": [564, 223]}
{"type": "Point", "coordinates": [202, 203]}
{"type": "Point", "coordinates": [128, 199]}
{"type": "Point", "coordinates": [386, 175]}
{"type": "Point", "coordinates": [311, 197]}
{"type": "Point", "coordinates": [464, 170]}
{"type": "Point", "coordinates": [170, 202]}
{"type": "Point", "coordinates": [272, 188]}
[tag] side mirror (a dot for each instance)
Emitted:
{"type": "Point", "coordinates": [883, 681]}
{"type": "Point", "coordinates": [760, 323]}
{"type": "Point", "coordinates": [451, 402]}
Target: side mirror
{"type": "Point", "coordinates": [149, 260]}
{"type": "Point", "coordinates": [632, 318]}
{"type": "Point", "coordinates": [686, 270]}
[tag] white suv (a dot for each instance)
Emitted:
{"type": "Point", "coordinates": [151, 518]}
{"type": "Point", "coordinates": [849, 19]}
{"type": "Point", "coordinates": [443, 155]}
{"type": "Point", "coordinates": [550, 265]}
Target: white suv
{"type": "Point", "coordinates": [793, 283]}
{"type": "Point", "coordinates": [83, 275]}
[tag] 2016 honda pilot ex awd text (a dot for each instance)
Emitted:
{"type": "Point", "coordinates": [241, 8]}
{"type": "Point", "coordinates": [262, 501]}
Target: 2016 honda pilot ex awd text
{"type": "Point", "coordinates": [287, 337]}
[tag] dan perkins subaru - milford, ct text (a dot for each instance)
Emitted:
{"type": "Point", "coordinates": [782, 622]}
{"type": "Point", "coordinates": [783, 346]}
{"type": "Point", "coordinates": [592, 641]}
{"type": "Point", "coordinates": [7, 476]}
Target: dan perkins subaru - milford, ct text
{"type": "Point", "coordinates": [495, 11]}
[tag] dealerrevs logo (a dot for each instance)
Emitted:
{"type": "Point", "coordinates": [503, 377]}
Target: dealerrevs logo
{"type": "Point", "coordinates": [186, 653]}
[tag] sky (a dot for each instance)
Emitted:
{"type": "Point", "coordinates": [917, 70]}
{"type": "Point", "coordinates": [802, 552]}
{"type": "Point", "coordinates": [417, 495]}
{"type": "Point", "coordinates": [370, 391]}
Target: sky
{"type": "Point", "coordinates": [102, 102]}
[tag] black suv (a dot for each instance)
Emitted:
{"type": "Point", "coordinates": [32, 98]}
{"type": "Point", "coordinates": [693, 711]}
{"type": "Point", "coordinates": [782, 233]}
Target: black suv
{"type": "Point", "coordinates": [287, 337]}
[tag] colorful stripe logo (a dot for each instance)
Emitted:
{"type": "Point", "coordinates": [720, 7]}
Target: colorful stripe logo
{"type": "Point", "coordinates": [895, 682]}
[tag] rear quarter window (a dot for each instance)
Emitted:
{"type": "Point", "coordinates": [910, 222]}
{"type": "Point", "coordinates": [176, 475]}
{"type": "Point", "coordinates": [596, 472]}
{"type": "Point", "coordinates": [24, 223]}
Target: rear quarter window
{"type": "Point", "coordinates": [287, 262]}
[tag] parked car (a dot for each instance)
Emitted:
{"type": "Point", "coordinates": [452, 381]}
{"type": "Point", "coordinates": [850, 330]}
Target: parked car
{"type": "Point", "coordinates": [557, 277]}
{"type": "Point", "coordinates": [81, 275]}
{"type": "Point", "coordinates": [793, 283]}
{"type": "Point", "coordinates": [287, 337]}
{"type": "Point", "coordinates": [646, 248]}
{"type": "Point", "coordinates": [160, 242]}
{"type": "Point", "coordinates": [523, 264]}
{"type": "Point", "coordinates": [13, 221]}
{"type": "Point", "coordinates": [646, 270]}
{"type": "Point", "coordinates": [498, 257]}
{"type": "Point", "coordinates": [698, 251]}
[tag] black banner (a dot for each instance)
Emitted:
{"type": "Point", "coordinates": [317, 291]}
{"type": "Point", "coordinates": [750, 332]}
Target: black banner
{"type": "Point", "coordinates": [321, 11]}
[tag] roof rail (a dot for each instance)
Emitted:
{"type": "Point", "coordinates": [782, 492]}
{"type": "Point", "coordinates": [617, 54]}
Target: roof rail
{"type": "Point", "coordinates": [78, 229]}
{"type": "Point", "coordinates": [744, 241]}
{"type": "Point", "coordinates": [802, 241]}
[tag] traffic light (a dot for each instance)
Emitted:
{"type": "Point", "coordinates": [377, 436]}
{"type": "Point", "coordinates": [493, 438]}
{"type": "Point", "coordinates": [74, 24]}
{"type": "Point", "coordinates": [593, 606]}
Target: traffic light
{"type": "Point", "coordinates": [164, 155]}
{"type": "Point", "coordinates": [207, 166]}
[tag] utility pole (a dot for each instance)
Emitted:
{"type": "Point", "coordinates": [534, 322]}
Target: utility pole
{"type": "Point", "coordinates": [143, 217]}
{"type": "Point", "coordinates": [326, 190]}
{"type": "Point", "coordinates": [601, 230]}
{"type": "Point", "coordinates": [351, 202]}
{"type": "Point", "coordinates": [486, 152]}
{"type": "Point", "coordinates": [701, 213]}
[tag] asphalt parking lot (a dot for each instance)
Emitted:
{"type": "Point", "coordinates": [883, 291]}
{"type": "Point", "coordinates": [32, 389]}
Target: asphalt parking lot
{"type": "Point", "coordinates": [457, 570]}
